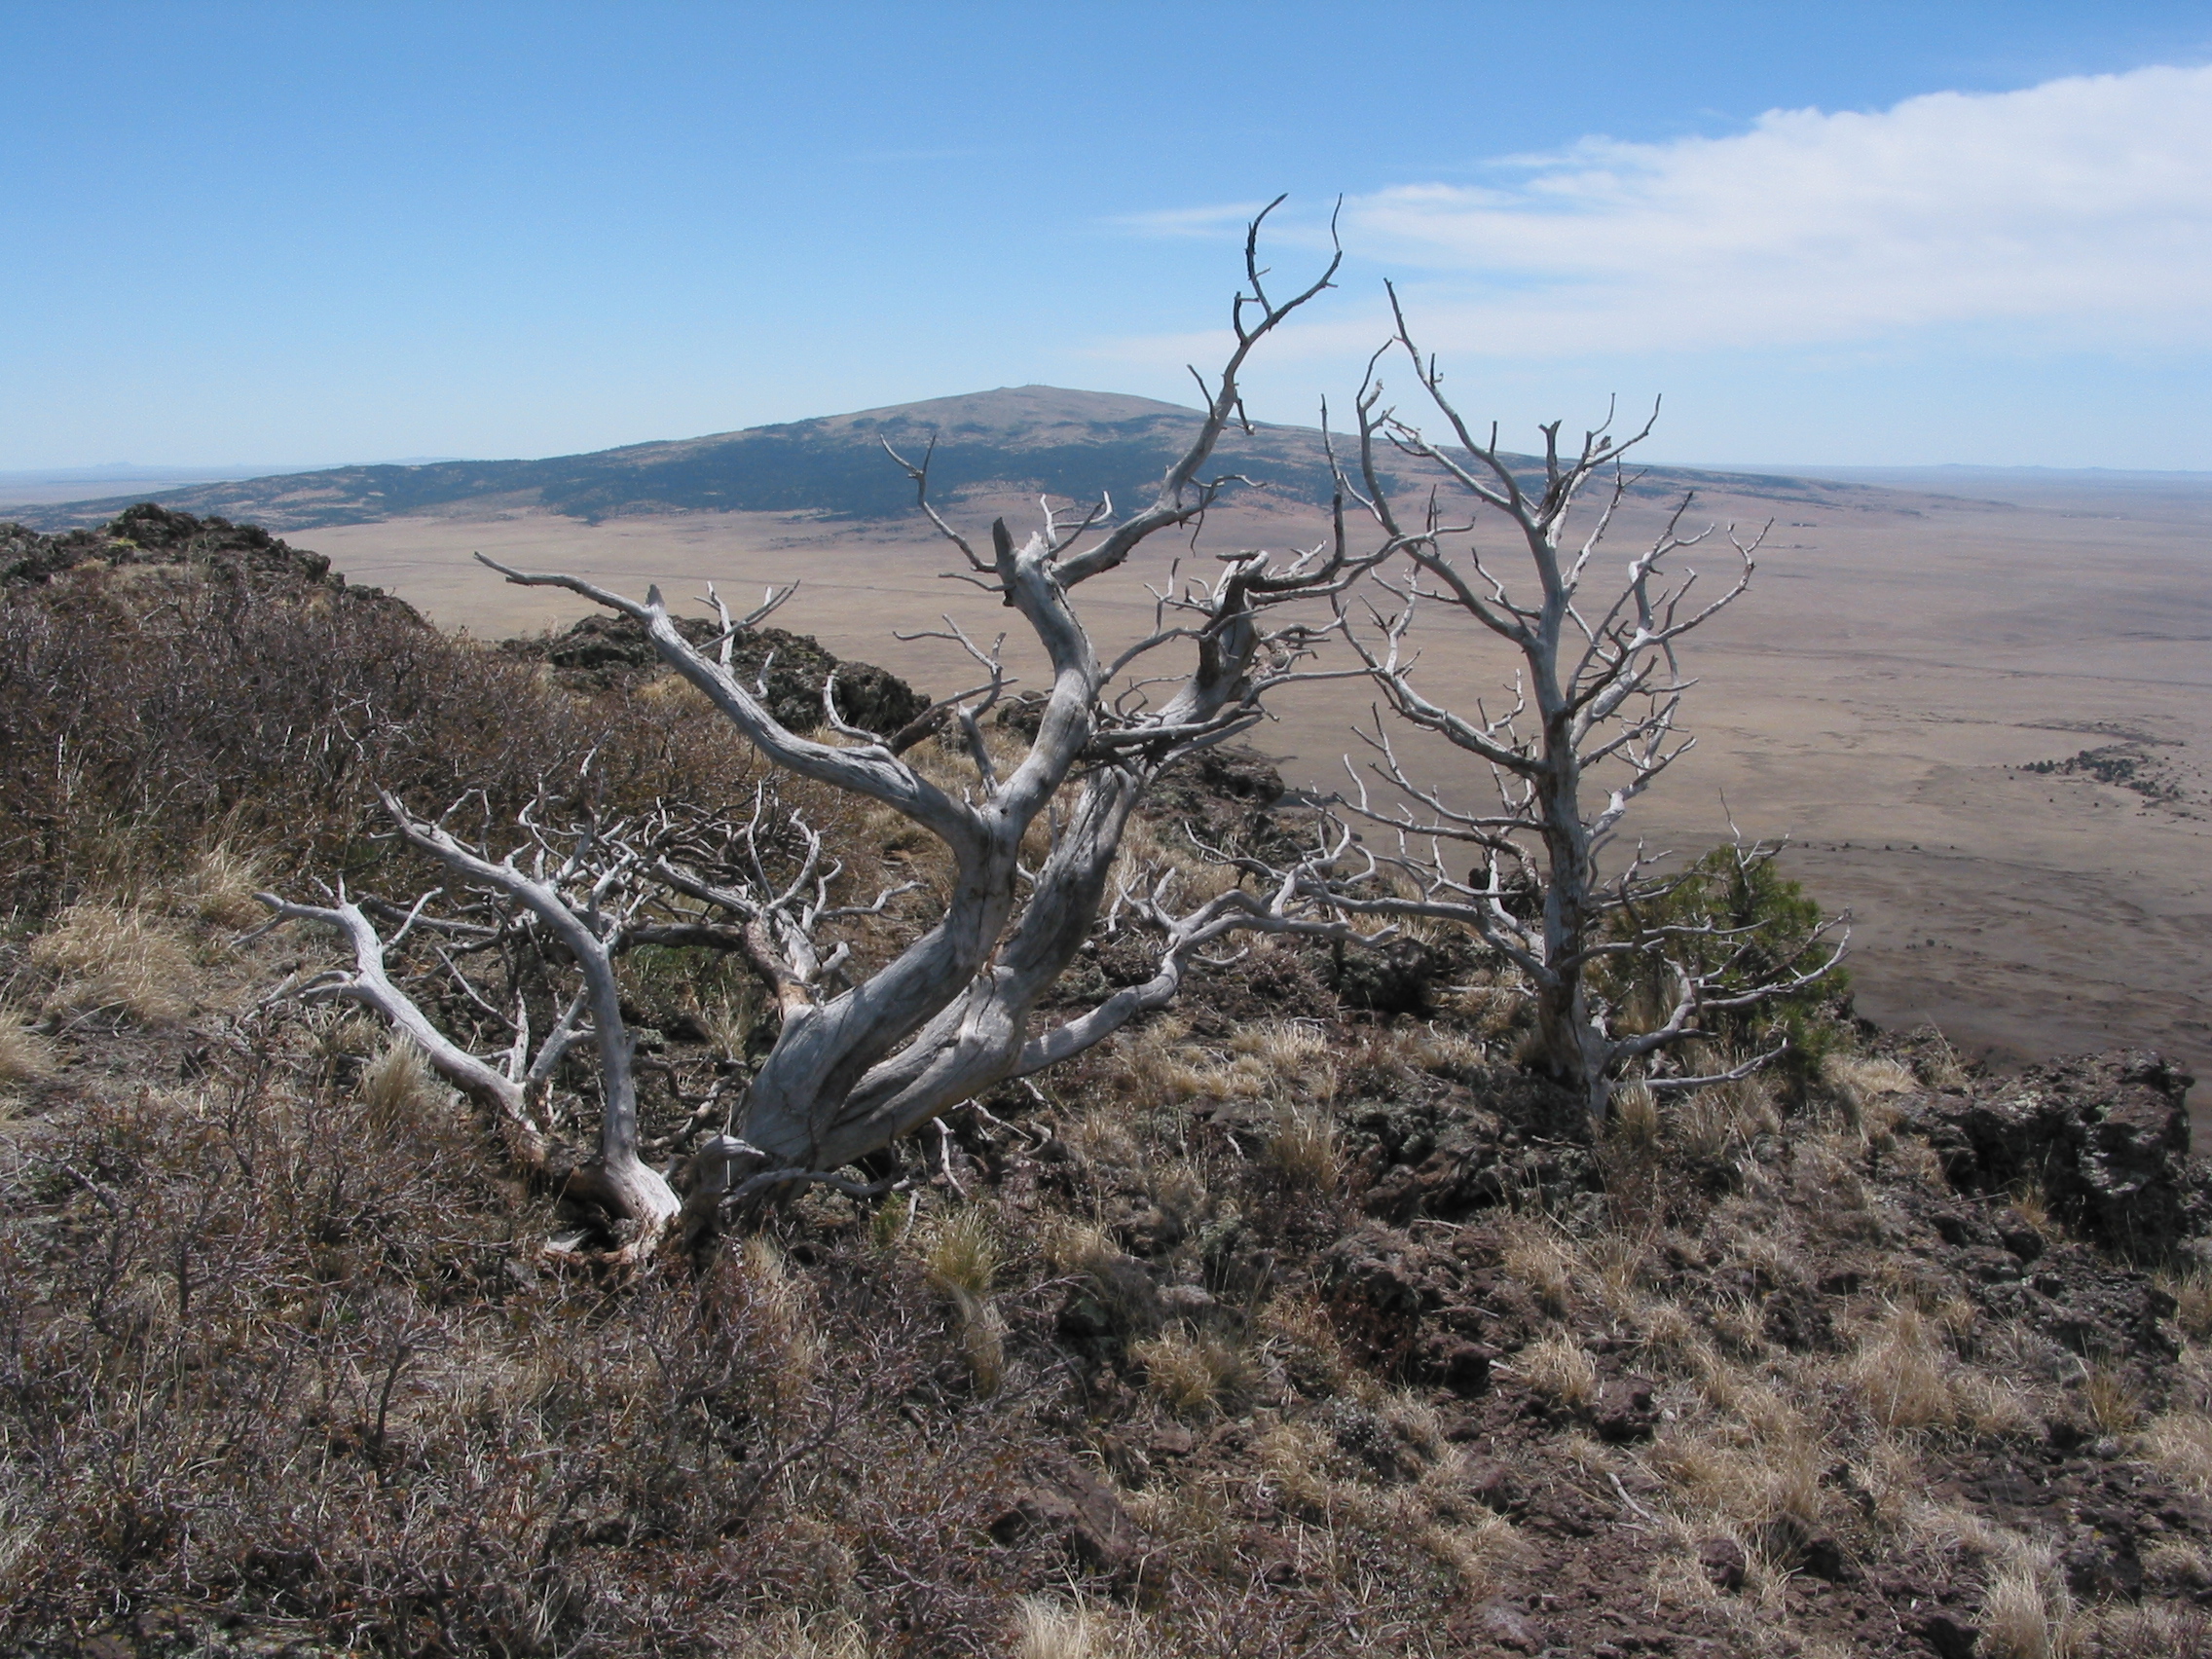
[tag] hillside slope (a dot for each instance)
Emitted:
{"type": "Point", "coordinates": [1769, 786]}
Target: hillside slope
{"type": "Point", "coordinates": [1298, 1321]}
{"type": "Point", "coordinates": [1033, 438]}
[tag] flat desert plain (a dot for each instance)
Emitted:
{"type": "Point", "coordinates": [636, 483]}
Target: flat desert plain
{"type": "Point", "coordinates": [1899, 659]}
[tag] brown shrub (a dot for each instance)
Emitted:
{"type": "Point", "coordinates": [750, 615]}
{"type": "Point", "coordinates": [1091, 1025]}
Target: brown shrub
{"type": "Point", "coordinates": [145, 708]}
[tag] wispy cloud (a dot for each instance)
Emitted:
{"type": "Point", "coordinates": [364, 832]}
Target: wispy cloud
{"type": "Point", "coordinates": [2073, 214]}
{"type": "Point", "coordinates": [2079, 210]}
{"type": "Point", "coordinates": [1191, 221]}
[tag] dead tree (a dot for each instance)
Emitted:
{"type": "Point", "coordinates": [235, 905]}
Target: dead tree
{"type": "Point", "coordinates": [859, 1062]}
{"type": "Point", "coordinates": [1590, 723]}
{"type": "Point", "coordinates": [579, 905]}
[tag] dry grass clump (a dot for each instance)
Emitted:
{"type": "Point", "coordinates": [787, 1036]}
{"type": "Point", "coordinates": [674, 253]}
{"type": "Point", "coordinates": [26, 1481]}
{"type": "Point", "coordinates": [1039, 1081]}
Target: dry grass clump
{"type": "Point", "coordinates": [116, 958]}
{"type": "Point", "coordinates": [2192, 1302]}
{"type": "Point", "coordinates": [1296, 1332]}
{"type": "Point", "coordinates": [1888, 1472]}
{"type": "Point", "coordinates": [1716, 1122]}
{"type": "Point", "coordinates": [1049, 1629]}
{"type": "Point", "coordinates": [1902, 1374]}
{"type": "Point", "coordinates": [1046, 1627]}
{"type": "Point", "coordinates": [25, 1056]}
{"type": "Point", "coordinates": [397, 1084]}
{"type": "Point", "coordinates": [1636, 1125]}
{"type": "Point", "coordinates": [1739, 1326]}
{"type": "Point", "coordinates": [962, 1253]}
{"type": "Point", "coordinates": [1997, 1406]}
{"type": "Point", "coordinates": [1560, 1369]}
{"type": "Point", "coordinates": [1289, 1047]}
{"type": "Point", "coordinates": [981, 1336]}
{"type": "Point", "coordinates": [2026, 1612]}
{"type": "Point", "coordinates": [1481, 1552]}
{"type": "Point", "coordinates": [731, 1021]}
{"type": "Point", "coordinates": [1295, 1459]}
{"type": "Point", "coordinates": [1282, 1056]}
{"type": "Point", "coordinates": [1538, 1259]}
{"type": "Point", "coordinates": [1195, 1373]}
{"type": "Point", "coordinates": [219, 886]}
{"type": "Point", "coordinates": [1617, 1263]}
{"type": "Point", "coordinates": [1939, 1065]}
{"type": "Point", "coordinates": [1149, 851]}
{"type": "Point", "coordinates": [1448, 1053]}
{"type": "Point", "coordinates": [945, 761]}
{"type": "Point", "coordinates": [1303, 1149]}
{"type": "Point", "coordinates": [1953, 1529]}
{"type": "Point", "coordinates": [1154, 1066]}
{"type": "Point", "coordinates": [2148, 1631]}
{"type": "Point", "coordinates": [1496, 1007]}
{"type": "Point", "coordinates": [1071, 1245]}
{"type": "Point", "coordinates": [1102, 1135]}
{"type": "Point", "coordinates": [792, 1635]}
{"type": "Point", "coordinates": [1274, 1059]}
{"type": "Point", "coordinates": [2112, 1405]}
{"type": "Point", "coordinates": [1868, 1087]}
{"type": "Point", "coordinates": [2176, 1565]}
{"type": "Point", "coordinates": [785, 1336]}
{"type": "Point", "coordinates": [2180, 1443]}
{"type": "Point", "coordinates": [960, 1261]}
{"type": "Point", "coordinates": [1747, 1479]}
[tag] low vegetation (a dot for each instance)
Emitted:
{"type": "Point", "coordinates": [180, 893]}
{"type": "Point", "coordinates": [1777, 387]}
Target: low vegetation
{"type": "Point", "coordinates": [1300, 1319]}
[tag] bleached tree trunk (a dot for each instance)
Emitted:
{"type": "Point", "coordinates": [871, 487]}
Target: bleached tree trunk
{"type": "Point", "coordinates": [855, 1065]}
{"type": "Point", "coordinates": [1591, 723]}
{"type": "Point", "coordinates": [513, 1094]}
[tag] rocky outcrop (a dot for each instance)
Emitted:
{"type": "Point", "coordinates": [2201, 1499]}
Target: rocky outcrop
{"type": "Point", "coordinates": [2105, 1137]}
{"type": "Point", "coordinates": [1065, 1507]}
{"type": "Point", "coordinates": [150, 537]}
{"type": "Point", "coordinates": [605, 653]}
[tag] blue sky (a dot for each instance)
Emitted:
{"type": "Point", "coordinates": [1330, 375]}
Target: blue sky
{"type": "Point", "coordinates": [1875, 233]}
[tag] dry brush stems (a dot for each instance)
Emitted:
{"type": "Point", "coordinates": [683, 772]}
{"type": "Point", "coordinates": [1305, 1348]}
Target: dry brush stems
{"type": "Point", "coordinates": [1591, 724]}
{"type": "Point", "coordinates": [862, 1059]}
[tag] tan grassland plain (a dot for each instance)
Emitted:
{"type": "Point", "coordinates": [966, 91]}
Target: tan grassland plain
{"type": "Point", "coordinates": [1899, 658]}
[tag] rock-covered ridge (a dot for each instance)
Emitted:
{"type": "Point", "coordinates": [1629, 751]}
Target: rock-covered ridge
{"type": "Point", "coordinates": [603, 653]}
{"type": "Point", "coordinates": [151, 536]}
{"type": "Point", "coordinates": [2105, 1137]}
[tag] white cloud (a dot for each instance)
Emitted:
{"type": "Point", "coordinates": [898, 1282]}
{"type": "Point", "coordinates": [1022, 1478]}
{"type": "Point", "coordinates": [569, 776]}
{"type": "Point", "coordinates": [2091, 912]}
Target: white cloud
{"type": "Point", "coordinates": [2079, 211]}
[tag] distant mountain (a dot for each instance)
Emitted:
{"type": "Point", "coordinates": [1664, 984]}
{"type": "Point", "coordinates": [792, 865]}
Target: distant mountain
{"type": "Point", "coordinates": [1034, 438]}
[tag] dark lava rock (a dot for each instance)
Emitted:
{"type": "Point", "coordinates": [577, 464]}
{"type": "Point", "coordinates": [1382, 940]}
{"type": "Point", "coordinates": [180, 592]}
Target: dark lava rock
{"type": "Point", "coordinates": [2106, 1137]}
{"type": "Point", "coordinates": [1493, 1485]}
{"type": "Point", "coordinates": [1823, 1557]}
{"type": "Point", "coordinates": [1398, 978]}
{"type": "Point", "coordinates": [1374, 1281]}
{"type": "Point", "coordinates": [1948, 1637]}
{"type": "Point", "coordinates": [1198, 787]}
{"type": "Point", "coordinates": [1454, 1362]}
{"type": "Point", "coordinates": [601, 653]}
{"type": "Point", "coordinates": [1116, 1297]}
{"type": "Point", "coordinates": [1625, 1409]}
{"type": "Point", "coordinates": [1361, 1434]}
{"type": "Point", "coordinates": [2096, 1569]}
{"type": "Point", "coordinates": [1508, 1628]}
{"type": "Point", "coordinates": [148, 536]}
{"type": "Point", "coordinates": [1173, 1440]}
{"type": "Point", "coordinates": [1724, 1564]}
{"type": "Point", "coordinates": [1069, 1508]}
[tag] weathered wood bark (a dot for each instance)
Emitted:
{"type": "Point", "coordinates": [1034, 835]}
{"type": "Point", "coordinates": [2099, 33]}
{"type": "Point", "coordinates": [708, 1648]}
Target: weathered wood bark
{"type": "Point", "coordinates": [1593, 723]}
{"type": "Point", "coordinates": [855, 1065]}
{"type": "Point", "coordinates": [513, 1094]}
